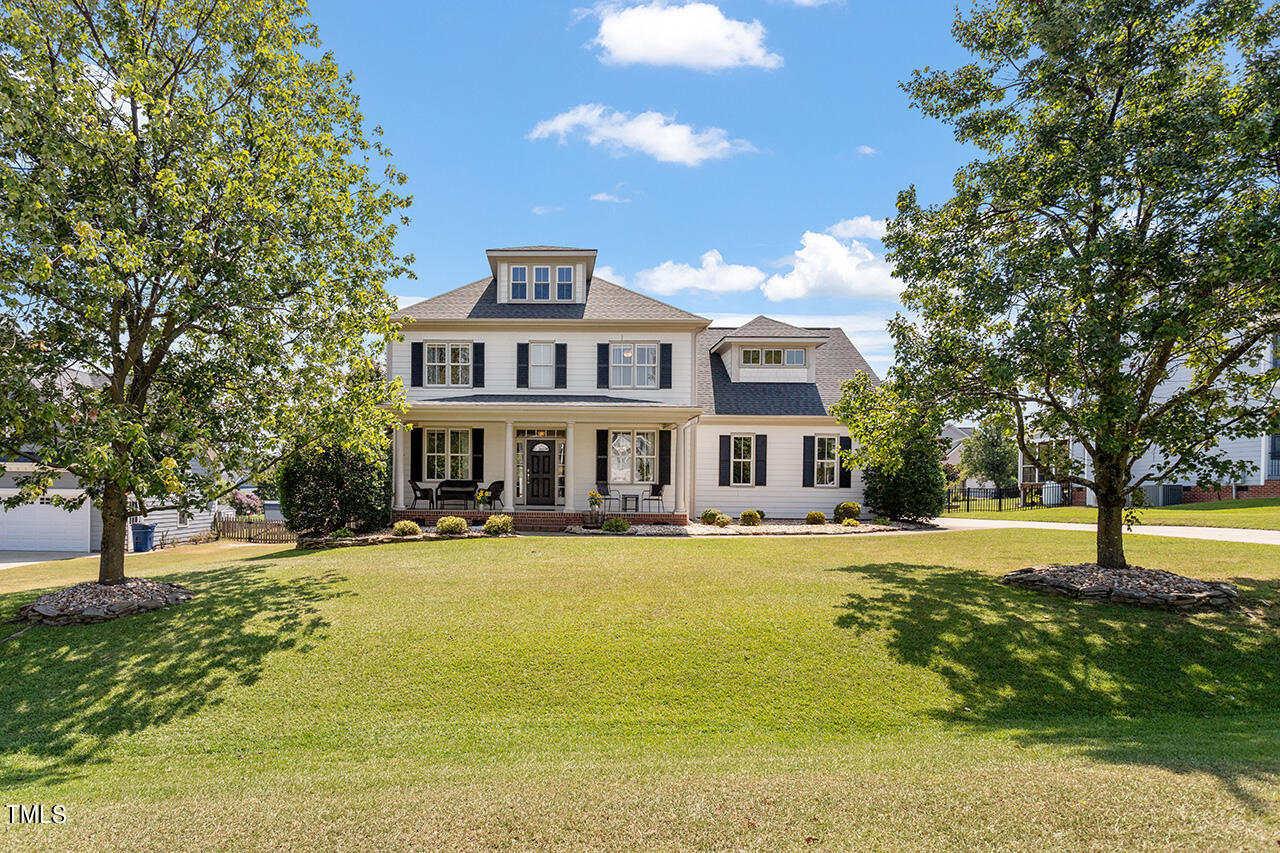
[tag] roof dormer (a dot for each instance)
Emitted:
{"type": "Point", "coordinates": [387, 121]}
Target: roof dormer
{"type": "Point", "coordinates": [767, 350]}
{"type": "Point", "coordinates": [542, 274]}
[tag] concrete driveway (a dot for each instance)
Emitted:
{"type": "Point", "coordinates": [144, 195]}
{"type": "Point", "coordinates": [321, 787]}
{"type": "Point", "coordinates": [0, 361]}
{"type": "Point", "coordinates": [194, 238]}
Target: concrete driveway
{"type": "Point", "coordinates": [12, 559]}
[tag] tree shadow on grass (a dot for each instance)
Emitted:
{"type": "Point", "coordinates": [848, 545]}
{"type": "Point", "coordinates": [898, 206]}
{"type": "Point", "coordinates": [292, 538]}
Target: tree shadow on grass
{"type": "Point", "coordinates": [1196, 693]}
{"type": "Point", "coordinates": [67, 693]}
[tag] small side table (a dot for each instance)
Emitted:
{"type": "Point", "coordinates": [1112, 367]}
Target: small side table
{"type": "Point", "coordinates": [630, 503]}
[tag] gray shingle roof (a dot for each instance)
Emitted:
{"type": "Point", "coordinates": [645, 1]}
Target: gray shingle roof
{"type": "Point", "coordinates": [835, 363]}
{"type": "Point", "coordinates": [767, 327]}
{"type": "Point", "coordinates": [605, 301]}
{"type": "Point", "coordinates": [540, 249]}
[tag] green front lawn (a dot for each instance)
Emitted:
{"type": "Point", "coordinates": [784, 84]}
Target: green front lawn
{"type": "Point", "coordinates": [1257, 513]}
{"type": "Point", "coordinates": [533, 693]}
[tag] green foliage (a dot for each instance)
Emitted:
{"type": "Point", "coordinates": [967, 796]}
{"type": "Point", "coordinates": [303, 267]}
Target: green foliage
{"type": "Point", "coordinates": [1105, 271]}
{"type": "Point", "coordinates": [498, 525]}
{"type": "Point", "coordinates": [912, 490]}
{"type": "Point", "coordinates": [990, 453]}
{"type": "Point", "coordinates": [405, 527]}
{"type": "Point", "coordinates": [195, 217]}
{"type": "Point", "coordinates": [850, 522]}
{"type": "Point", "coordinates": [452, 525]}
{"type": "Point", "coordinates": [846, 510]}
{"type": "Point", "coordinates": [722, 520]}
{"type": "Point", "coordinates": [749, 518]}
{"type": "Point", "coordinates": [615, 525]}
{"type": "Point", "coordinates": [815, 516]}
{"type": "Point", "coordinates": [761, 513]}
{"type": "Point", "coordinates": [325, 487]}
{"type": "Point", "coordinates": [882, 521]}
{"type": "Point", "coordinates": [951, 473]}
{"type": "Point", "coordinates": [343, 533]}
{"type": "Point", "coordinates": [709, 516]}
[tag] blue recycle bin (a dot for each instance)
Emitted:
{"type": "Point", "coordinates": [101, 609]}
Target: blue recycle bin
{"type": "Point", "coordinates": [144, 537]}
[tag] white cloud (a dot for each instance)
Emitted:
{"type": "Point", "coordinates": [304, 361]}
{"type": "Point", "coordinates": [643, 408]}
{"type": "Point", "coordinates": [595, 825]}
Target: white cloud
{"type": "Point", "coordinates": [858, 226]}
{"type": "Point", "coordinates": [609, 198]}
{"type": "Point", "coordinates": [824, 266]}
{"type": "Point", "coordinates": [865, 150]}
{"type": "Point", "coordinates": [714, 276]}
{"type": "Point", "coordinates": [868, 331]}
{"type": "Point", "coordinates": [650, 133]}
{"type": "Point", "coordinates": [544, 209]}
{"type": "Point", "coordinates": [812, 4]}
{"type": "Point", "coordinates": [607, 273]}
{"type": "Point", "coordinates": [692, 35]}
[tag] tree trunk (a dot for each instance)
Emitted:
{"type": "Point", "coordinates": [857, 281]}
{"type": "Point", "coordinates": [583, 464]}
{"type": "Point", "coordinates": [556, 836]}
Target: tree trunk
{"type": "Point", "coordinates": [115, 519]}
{"type": "Point", "coordinates": [1111, 534]}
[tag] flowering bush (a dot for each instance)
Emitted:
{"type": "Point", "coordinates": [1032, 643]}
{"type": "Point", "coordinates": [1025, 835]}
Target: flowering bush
{"type": "Point", "coordinates": [245, 503]}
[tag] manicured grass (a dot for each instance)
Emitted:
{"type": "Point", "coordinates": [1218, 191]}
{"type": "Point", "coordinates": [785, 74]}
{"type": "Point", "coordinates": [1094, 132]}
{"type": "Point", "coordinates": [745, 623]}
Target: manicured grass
{"type": "Point", "coordinates": [533, 693]}
{"type": "Point", "coordinates": [1257, 513]}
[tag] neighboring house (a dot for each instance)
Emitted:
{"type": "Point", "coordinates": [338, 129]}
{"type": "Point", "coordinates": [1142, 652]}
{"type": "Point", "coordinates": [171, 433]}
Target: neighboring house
{"type": "Point", "coordinates": [954, 437]}
{"type": "Point", "coordinates": [555, 383]}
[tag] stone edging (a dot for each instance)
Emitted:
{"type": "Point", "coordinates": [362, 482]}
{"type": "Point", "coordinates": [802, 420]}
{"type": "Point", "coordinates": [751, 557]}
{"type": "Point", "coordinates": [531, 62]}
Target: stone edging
{"type": "Point", "coordinates": [309, 543]}
{"type": "Point", "coordinates": [91, 602]}
{"type": "Point", "coordinates": [1218, 595]}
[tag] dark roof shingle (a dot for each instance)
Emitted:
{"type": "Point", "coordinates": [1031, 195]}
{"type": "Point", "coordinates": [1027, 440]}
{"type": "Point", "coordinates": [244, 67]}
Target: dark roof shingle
{"type": "Point", "coordinates": [605, 301]}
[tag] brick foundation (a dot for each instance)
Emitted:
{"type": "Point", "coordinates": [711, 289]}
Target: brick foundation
{"type": "Point", "coordinates": [535, 521]}
{"type": "Point", "coordinates": [1194, 494]}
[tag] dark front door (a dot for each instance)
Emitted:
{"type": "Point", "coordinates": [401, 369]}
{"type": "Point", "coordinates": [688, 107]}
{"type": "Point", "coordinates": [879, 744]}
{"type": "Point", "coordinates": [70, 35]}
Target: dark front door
{"type": "Point", "coordinates": [542, 478]}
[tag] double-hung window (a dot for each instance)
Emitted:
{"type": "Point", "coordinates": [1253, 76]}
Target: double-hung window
{"type": "Point", "coordinates": [826, 448]}
{"type": "Point", "coordinates": [446, 454]}
{"type": "Point", "coordinates": [795, 358]}
{"type": "Point", "coordinates": [564, 284]}
{"type": "Point", "coordinates": [633, 366]}
{"type": "Point", "coordinates": [542, 283]}
{"type": "Point", "coordinates": [459, 364]}
{"type": "Point", "coordinates": [519, 283]}
{"type": "Point", "coordinates": [741, 461]}
{"type": "Point", "coordinates": [437, 363]}
{"type": "Point", "coordinates": [633, 456]}
{"type": "Point", "coordinates": [459, 454]}
{"type": "Point", "coordinates": [542, 365]}
{"type": "Point", "coordinates": [751, 356]}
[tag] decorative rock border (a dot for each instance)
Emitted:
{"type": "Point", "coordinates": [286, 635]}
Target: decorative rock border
{"type": "Point", "coordinates": [766, 529]}
{"type": "Point", "coordinates": [1134, 586]}
{"type": "Point", "coordinates": [315, 543]}
{"type": "Point", "coordinates": [94, 602]}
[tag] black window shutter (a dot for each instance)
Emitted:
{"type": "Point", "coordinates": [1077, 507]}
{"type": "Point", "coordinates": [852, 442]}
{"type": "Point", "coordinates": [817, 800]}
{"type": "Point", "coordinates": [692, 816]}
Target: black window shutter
{"type": "Point", "coordinates": [807, 476]}
{"type": "Point", "coordinates": [415, 364]}
{"type": "Point", "coordinates": [762, 460]}
{"type": "Point", "coordinates": [846, 476]}
{"type": "Point", "coordinates": [725, 444]}
{"type": "Point", "coordinates": [562, 365]}
{"type": "Point", "coordinates": [664, 457]}
{"type": "Point", "coordinates": [522, 365]}
{"type": "Point", "coordinates": [602, 456]}
{"type": "Point", "coordinates": [664, 365]}
{"type": "Point", "coordinates": [415, 454]}
{"type": "Point", "coordinates": [602, 365]}
{"type": "Point", "coordinates": [477, 365]}
{"type": "Point", "coordinates": [477, 453]}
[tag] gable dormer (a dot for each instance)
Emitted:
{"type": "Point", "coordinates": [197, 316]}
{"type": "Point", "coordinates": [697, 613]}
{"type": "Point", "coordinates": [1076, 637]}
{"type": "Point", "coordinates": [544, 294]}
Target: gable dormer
{"type": "Point", "coordinates": [534, 275]}
{"type": "Point", "coordinates": [767, 350]}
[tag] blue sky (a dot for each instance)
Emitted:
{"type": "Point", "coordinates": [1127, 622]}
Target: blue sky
{"type": "Point", "coordinates": [733, 158]}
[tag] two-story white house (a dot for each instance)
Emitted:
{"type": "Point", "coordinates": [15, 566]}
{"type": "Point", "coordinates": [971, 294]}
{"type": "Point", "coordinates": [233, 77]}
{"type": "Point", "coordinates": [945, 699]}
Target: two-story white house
{"type": "Point", "coordinates": [547, 383]}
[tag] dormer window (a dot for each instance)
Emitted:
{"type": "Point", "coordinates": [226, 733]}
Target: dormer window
{"type": "Point", "coordinates": [751, 356]}
{"type": "Point", "coordinates": [773, 357]}
{"type": "Point", "coordinates": [542, 283]}
{"type": "Point", "coordinates": [519, 283]}
{"type": "Point", "coordinates": [564, 283]}
{"type": "Point", "coordinates": [795, 358]}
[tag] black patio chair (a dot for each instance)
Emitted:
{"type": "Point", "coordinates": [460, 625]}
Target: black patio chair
{"type": "Point", "coordinates": [655, 494]}
{"type": "Point", "coordinates": [422, 493]}
{"type": "Point", "coordinates": [603, 489]}
{"type": "Point", "coordinates": [495, 494]}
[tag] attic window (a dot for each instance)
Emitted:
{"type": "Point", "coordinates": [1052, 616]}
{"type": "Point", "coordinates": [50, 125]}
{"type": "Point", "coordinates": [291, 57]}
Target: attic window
{"type": "Point", "coordinates": [564, 284]}
{"type": "Point", "coordinates": [542, 283]}
{"type": "Point", "coordinates": [795, 358]}
{"type": "Point", "coordinates": [773, 356]}
{"type": "Point", "coordinates": [751, 356]}
{"type": "Point", "coordinates": [519, 282]}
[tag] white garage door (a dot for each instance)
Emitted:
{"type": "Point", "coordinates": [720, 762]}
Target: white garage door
{"type": "Point", "coordinates": [43, 527]}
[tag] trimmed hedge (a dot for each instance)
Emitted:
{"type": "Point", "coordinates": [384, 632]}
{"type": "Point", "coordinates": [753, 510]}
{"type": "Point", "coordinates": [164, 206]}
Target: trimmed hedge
{"type": "Point", "coordinates": [325, 488]}
{"type": "Point", "coordinates": [709, 516]}
{"type": "Point", "coordinates": [405, 527]}
{"type": "Point", "coordinates": [847, 509]}
{"type": "Point", "coordinates": [816, 517]}
{"type": "Point", "coordinates": [749, 518]}
{"type": "Point", "coordinates": [498, 525]}
{"type": "Point", "coordinates": [452, 525]}
{"type": "Point", "coordinates": [722, 520]}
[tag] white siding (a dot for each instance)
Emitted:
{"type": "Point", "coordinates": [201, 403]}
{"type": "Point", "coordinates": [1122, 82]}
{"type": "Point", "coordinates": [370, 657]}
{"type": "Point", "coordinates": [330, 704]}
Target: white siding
{"type": "Point", "coordinates": [784, 496]}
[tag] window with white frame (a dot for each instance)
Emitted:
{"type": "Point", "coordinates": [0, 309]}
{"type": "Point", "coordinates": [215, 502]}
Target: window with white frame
{"type": "Point", "coordinates": [751, 356]}
{"type": "Point", "coordinates": [459, 364]}
{"type": "Point", "coordinates": [519, 283]}
{"type": "Point", "coordinates": [542, 365]}
{"type": "Point", "coordinates": [436, 358]}
{"type": "Point", "coordinates": [542, 283]}
{"type": "Point", "coordinates": [773, 356]}
{"type": "Point", "coordinates": [459, 454]}
{"type": "Point", "coordinates": [795, 358]}
{"type": "Point", "coordinates": [633, 366]}
{"type": "Point", "coordinates": [447, 364]}
{"type": "Point", "coordinates": [446, 454]}
{"type": "Point", "coordinates": [826, 448]}
{"type": "Point", "coordinates": [633, 456]}
{"type": "Point", "coordinates": [741, 460]}
{"type": "Point", "coordinates": [564, 283]}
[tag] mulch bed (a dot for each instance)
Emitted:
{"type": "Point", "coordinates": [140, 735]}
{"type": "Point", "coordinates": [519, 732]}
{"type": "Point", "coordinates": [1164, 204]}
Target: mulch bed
{"type": "Point", "coordinates": [769, 528]}
{"type": "Point", "coordinates": [95, 602]}
{"type": "Point", "coordinates": [1133, 585]}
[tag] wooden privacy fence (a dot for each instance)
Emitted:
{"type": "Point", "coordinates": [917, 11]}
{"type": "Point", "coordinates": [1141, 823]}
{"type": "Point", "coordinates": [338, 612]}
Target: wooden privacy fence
{"type": "Point", "coordinates": [255, 530]}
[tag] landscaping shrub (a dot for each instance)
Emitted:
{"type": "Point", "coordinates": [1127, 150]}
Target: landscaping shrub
{"type": "Point", "coordinates": [343, 533]}
{"type": "Point", "coordinates": [882, 521]}
{"type": "Point", "coordinates": [916, 491]}
{"type": "Point", "coordinates": [498, 525]}
{"type": "Point", "coordinates": [451, 525]}
{"type": "Point", "coordinates": [722, 520]}
{"type": "Point", "coordinates": [709, 516]}
{"type": "Point", "coordinates": [616, 525]}
{"type": "Point", "coordinates": [816, 517]}
{"type": "Point", "coordinates": [762, 515]}
{"type": "Point", "coordinates": [850, 522]}
{"type": "Point", "coordinates": [245, 503]}
{"type": "Point", "coordinates": [749, 518]}
{"type": "Point", "coordinates": [847, 509]}
{"type": "Point", "coordinates": [326, 487]}
{"type": "Point", "coordinates": [405, 527]}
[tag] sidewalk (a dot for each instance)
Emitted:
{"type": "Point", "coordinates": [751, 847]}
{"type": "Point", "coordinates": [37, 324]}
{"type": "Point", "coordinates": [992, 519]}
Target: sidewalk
{"type": "Point", "coordinates": [1217, 534]}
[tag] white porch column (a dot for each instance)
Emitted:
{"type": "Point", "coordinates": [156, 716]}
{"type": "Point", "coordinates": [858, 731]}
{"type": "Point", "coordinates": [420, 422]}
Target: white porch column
{"type": "Point", "coordinates": [691, 467]}
{"type": "Point", "coordinates": [570, 494]}
{"type": "Point", "coordinates": [678, 453]}
{"type": "Point", "coordinates": [509, 466]}
{"type": "Point", "coordinates": [399, 444]}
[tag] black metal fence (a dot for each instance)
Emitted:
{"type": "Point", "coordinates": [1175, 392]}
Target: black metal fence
{"type": "Point", "coordinates": [963, 499]}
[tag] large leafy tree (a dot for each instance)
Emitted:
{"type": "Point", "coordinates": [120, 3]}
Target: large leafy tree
{"type": "Point", "coordinates": [989, 453]}
{"type": "Point", "coordinates": [1106, 270]}
{"type": "Point", "coordinates": [194, 238]}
